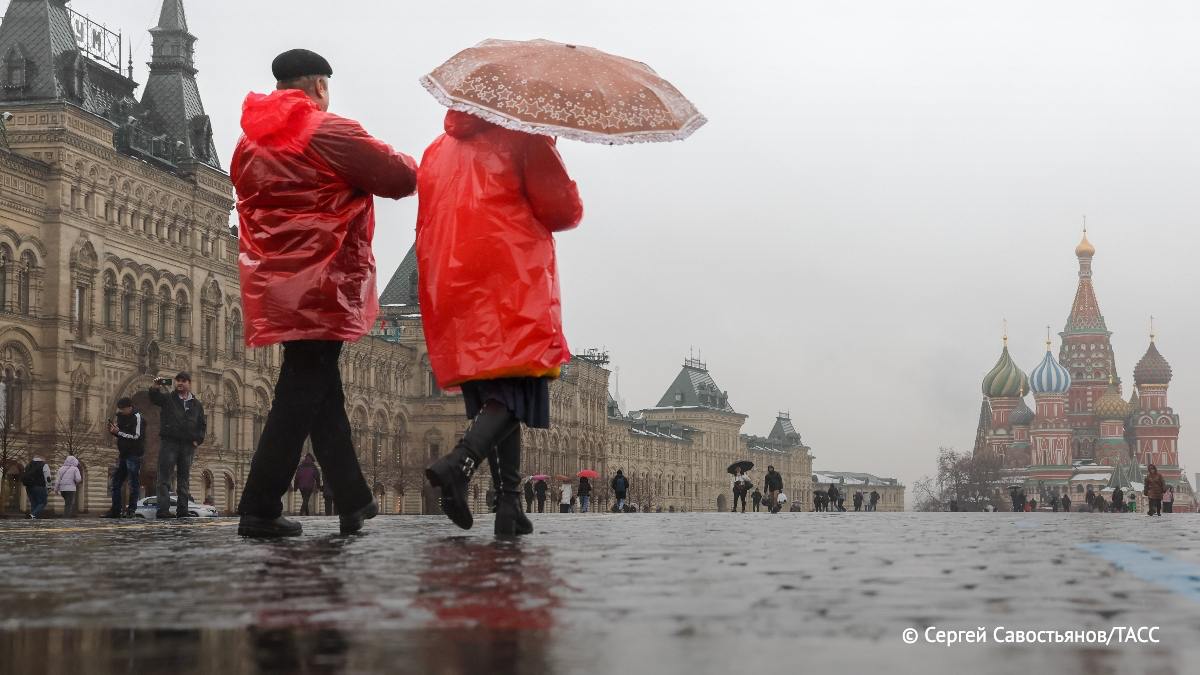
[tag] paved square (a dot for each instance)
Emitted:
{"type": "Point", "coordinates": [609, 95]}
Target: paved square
{"type": "Point", "coordinates": [637, 593]}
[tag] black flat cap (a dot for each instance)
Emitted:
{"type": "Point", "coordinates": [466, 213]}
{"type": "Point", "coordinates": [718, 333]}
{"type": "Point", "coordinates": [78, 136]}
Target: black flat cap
{"type": "Point", "coordinates": [184, 375]}
{"type": "Point", "coordinates": [299, 63]}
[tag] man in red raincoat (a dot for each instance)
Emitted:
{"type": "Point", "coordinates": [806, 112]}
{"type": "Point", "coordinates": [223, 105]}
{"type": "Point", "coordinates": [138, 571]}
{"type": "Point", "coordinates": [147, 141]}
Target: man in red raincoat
{"type": "Point", "coordinates": [490, 200]}
{"type": "Point", "coordinates": [305, 181]}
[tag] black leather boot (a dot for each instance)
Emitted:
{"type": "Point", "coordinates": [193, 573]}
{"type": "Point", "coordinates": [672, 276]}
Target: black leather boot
{"type": "Point", "coordinates": [510, 517]}
{"type": "Point", "coordinates": [452, 473]}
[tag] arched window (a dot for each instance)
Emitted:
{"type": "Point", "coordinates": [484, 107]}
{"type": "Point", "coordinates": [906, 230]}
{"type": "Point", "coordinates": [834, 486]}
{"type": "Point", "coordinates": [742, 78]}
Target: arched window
{"type": "Point", "coordinates": [109, 308]}
{"type": "Point", "coordinates": [147, 308]}
{"type": "Point", "coordinates": [181, 317]}
{"type": "Point", "coordinates": [5, 269]}
{"type": "Point", "coordinates": [24, 283]}
{"type": "Point", "coordinates": [236, 343]}
{"type": "Point", "coordinates": [127, 294]}
{"type": "Point", "coordinates": [164, 312]}
{"type": "Point", "coordinates": [15, 385]}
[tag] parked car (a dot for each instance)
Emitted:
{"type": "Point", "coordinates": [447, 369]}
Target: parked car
{"type": "Point", "coordinates": [148, 508]}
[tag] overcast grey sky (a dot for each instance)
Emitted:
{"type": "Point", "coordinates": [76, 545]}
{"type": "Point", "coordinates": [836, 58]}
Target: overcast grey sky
{"type": "Point", "coordinates": [880, 183]}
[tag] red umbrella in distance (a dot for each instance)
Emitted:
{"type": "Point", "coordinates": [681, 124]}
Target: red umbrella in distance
{"type": "Point", "coordinates": [588, 473]}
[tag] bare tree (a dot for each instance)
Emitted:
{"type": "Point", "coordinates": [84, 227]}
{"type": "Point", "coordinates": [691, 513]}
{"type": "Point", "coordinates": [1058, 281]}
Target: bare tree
{"type": "Point", "coordinates": [974, 481]}
{"type": "Point", "coordinates": [80, 438]}
{"type": "Point", "coordinates": [927, 495]}
{"type": "Point", "coordinates": [14, 443]}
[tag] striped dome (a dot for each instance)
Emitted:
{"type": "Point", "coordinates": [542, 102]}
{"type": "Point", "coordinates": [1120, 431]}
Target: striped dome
{"type": "Point", "coordinates": [1049, 377]}
{"type": "Point", "coordinates": [1021, 416]}
{"type": "Point", "coordinates": [1005, 379]}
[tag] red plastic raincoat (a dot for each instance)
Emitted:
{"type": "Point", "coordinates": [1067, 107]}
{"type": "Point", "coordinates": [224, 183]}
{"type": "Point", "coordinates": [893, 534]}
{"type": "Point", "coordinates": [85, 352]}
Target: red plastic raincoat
{"type": "Point", "coordinates": [305, 180]}
{"type": "Point", "coordinates": [489, 200]}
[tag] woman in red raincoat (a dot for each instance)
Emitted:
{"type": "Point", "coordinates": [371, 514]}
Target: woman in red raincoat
{"type": "Point", "coordinates": [490, 200]}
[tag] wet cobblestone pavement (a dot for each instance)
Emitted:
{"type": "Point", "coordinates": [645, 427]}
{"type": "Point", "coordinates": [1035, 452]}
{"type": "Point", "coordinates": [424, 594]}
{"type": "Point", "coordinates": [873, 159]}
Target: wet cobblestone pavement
{"type": "Point", "coordinates": [638, 593]}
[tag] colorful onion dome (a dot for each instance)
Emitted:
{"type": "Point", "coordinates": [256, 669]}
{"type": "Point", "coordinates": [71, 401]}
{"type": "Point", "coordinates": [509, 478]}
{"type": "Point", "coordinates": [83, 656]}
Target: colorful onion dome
{"type": "Point", "coordinates": [1111, 406]}
{"type": "Point", "coordinates": [1021, 416]}
{"type": "Point", "coordinates": [1005, 379]}
{"type": "Point", "coordinates": [1152, 369]}
{"type": "Point", "coordinates": [1085, 248]}
{"type": "Point", "coordinates": [1049, 377]}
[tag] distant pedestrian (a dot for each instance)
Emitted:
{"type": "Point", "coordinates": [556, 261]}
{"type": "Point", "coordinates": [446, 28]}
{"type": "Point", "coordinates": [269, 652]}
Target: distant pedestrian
{"type": "Point", "coordinates": [741, 485]}
{"type": "Point", "coordinates": [308, 480]}
{"type": "Point", "coordinates": [36, 479]}
{"type": "Point", "coordinates": [1168, 499]}
{"type": "Point", "coordinates": [1066, 503]}
{"type": "Point", "coordinates": [858, 500]}
{"type": "Point", "coordinates": [585, 494]}
{"type": "Point", "coordinates": [953, 505]}
{"type": "Point", "coordinates": [565, 497]}
{"type": "Point", "coordinates": [755, 499]}
{"type": "Point", "coordinates": [874, 503]}
{"type": "Point", "coordinates": [1154, 488]}
{"type": "Point", "coordinates": [66, 483]}
{"type": "Point", "coordinates": [1054, 503]}
{"type": "Point", "coordinates": [1033, 504]}
{"type": "Point", "coordinates": [1090, 498]}
{"type": "Point", "coordinates": [528, 496]}
{"type": "Point", "coordinates": [327, 494]}
{"type": "Point", "coordinates": [540, 488]}
{"type": "Point", "coordinates": [773, 484]}
{"type": "Point", "coordinates": [817, 500]}
{"type": "Point", "coordinates": [620, 487]}
{"type": "Point", "coordinates": [1118, 500]}
{"type": "Point", "coordinates": [182, 429]}
{"type": "Point", "coordinates": [129, 428]}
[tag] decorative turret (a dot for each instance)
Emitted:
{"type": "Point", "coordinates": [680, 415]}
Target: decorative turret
{"type": "Point", "coordinates": [172, 95]}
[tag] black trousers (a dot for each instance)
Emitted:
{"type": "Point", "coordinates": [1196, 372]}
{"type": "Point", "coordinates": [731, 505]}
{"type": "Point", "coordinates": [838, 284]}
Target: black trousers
{"type": "Point", "coordinates": [541, 504]}
{"type": "Point", "coordinates": [309, 403]}
{"type": "Point", "coordinates": [736, 496]}
{"type": "Point", "coordinates": [1156, 507]}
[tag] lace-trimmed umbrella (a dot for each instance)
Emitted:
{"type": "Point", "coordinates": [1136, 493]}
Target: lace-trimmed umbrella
{"type": "Point", "coordinates": [555, 89]}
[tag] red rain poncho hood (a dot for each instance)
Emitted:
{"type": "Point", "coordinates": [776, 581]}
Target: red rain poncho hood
{"type": "Point", "coordinates": [305, 180]}
{"type": "Point", "coordinates": [489, 200]}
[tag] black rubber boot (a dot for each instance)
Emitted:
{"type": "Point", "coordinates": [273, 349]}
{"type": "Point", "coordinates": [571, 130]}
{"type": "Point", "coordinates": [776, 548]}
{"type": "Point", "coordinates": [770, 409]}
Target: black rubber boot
{"type": "Point", "coordinates": [452, 473]}
{"type": "Point", "coordinates": [510, 517]}
{"type": "Point", "coordinates": [351, 523]}
{"type": "Point", "coordinates": [494, 466]}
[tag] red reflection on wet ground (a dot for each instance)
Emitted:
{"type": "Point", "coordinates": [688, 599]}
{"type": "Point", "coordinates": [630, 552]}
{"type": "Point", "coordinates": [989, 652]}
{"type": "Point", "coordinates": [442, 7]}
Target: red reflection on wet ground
{"type": "Point", "coordinates": [497, 585]}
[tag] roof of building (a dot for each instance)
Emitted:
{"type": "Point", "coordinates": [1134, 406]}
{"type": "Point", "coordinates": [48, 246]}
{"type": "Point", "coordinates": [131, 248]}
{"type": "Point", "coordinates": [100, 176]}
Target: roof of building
{"type": "Point", "coordinates": [852, 478]}
{"type": "Point", "coordinates": [1021, 415]}
{"type": "Point", "coordinates": [402, 288]}
{"type": "Point", "coordinates": [168, 127]}
{"type": "Point", "coordinates": [1152, 368]}
{"type": "Point", "coordinates": [695, 387]}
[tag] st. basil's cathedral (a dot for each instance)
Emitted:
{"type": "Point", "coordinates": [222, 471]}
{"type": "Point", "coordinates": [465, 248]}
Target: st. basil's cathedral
{"type": "Point", "coordinates": [1082, 433]}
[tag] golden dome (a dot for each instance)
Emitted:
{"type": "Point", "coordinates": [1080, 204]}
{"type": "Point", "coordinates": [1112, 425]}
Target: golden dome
{"type": "Point", "coordinates": [1085, 248]}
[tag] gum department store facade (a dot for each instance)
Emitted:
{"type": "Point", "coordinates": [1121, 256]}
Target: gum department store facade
{"type": "Point", "coordinates": [117, 264]}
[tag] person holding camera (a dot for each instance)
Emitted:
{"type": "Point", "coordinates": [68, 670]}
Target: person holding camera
{"type": "Point", "coordinates": [182, 428]}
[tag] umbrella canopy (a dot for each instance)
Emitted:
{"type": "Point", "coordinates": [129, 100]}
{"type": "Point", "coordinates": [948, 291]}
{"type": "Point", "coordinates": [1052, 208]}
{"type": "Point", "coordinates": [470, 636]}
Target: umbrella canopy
{"type": "Point", "coordinates": [745, 465]}
{"type": "Point", "coordinates": [555, 89]}
{"type": "Point", "coordinates": [588, 473]}
{"type": "Point", "coordinates": [539, 476]}
{"type": "Point", "coordinates": [560, 477]}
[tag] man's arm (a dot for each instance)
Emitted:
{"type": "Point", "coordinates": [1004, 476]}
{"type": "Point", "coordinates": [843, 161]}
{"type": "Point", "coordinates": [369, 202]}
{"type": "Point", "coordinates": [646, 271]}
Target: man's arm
{"type": "Point", "coordinates": [201, 424]}
{"type": "Point", "coordinates": [362, 160]}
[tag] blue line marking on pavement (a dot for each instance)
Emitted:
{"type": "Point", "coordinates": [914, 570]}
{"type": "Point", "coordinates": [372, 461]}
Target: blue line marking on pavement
{"type": "Point", "coordinates": [1182, 578]}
